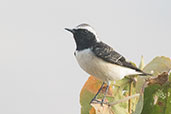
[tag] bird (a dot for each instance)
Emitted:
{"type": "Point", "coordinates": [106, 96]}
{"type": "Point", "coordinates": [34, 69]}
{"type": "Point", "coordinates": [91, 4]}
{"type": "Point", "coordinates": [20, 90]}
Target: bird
{"type": "Point", "coordinates": [99, 59]}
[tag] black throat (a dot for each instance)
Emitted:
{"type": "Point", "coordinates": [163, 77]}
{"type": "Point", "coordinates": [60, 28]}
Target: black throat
{"type": "Point", "coordinates": [84, 39]}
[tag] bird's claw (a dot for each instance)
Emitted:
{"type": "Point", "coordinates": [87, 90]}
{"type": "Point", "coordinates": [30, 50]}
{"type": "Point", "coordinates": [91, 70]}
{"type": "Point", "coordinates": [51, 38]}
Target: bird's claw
{"type": "Point", "coordinates": [98, 102]}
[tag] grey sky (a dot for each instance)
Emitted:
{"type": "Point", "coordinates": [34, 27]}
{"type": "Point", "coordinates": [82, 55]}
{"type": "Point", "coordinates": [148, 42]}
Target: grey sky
{"type": "Point", "coordinates": [38, 71]}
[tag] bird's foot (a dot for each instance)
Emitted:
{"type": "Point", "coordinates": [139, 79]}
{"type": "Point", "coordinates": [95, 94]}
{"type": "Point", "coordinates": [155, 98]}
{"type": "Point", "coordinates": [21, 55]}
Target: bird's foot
{"type": "Point", "coordinates": [102, 102]}
{"type": "Point", "coordinates": [95, 101]}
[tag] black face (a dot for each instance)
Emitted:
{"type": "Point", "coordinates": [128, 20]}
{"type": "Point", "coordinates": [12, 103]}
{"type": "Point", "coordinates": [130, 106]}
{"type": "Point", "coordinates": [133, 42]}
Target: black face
{"type": "Point", "coordinates": [83, 38]}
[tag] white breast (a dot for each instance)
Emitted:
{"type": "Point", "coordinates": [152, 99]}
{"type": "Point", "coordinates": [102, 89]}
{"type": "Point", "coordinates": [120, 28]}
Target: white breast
{"type": "Point", "coordinates": [99, 68]}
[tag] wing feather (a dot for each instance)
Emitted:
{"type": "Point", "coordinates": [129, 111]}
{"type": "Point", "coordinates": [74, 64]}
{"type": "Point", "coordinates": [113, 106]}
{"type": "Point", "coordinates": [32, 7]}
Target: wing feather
{"type": "Point", "coordinates": [107, 53]}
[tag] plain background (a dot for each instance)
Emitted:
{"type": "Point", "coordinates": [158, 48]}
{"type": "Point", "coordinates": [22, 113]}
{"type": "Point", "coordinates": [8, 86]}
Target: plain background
{"type": "Point", "coordinates": [38, 71]}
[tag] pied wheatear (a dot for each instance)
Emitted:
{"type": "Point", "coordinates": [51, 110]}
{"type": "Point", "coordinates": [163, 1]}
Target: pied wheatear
{"type": "Point", "coordinates": [99, 59]}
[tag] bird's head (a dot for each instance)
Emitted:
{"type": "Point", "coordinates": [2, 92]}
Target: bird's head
{"type": "Point", "coordinates": [84, 35]}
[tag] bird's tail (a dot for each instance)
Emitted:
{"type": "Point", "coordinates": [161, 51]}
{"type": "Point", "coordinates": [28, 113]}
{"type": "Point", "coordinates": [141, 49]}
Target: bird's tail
{"type": "Point", "coordinates": [145, 74]}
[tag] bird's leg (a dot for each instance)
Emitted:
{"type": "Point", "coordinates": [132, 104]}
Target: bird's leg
{"type": "Point", "coordinates": [94, 99]}
{"type": "Point", "coordinates": [107, 87]}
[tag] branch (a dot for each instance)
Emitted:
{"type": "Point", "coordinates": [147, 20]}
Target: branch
{"type": "Point", "coordinates": [124, 99]}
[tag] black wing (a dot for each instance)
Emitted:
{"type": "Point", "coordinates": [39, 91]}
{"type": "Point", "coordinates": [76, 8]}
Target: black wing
{"type": "Point", "coordinates": [107, 53]}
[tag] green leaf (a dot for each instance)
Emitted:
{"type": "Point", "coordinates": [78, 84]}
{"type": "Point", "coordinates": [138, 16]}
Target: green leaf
{"type": "Point", "coordinates": [158, 65]}
{"type": "Point", "coordinates": [157, 98]}
{"type": "Point", "coordinates": [139, 106]}
{"type": "Point", "coordinates": [121, 86]}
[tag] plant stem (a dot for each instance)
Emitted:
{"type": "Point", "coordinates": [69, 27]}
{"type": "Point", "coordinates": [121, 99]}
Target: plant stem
{"type": "Point", "coordinates": [129, 101]}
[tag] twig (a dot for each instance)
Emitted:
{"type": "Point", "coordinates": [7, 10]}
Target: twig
{"type": "Point", "coordinates": [124, 99]}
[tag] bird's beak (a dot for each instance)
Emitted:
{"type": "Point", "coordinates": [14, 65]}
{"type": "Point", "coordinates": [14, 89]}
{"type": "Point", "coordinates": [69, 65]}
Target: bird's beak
{"type": "Point", "coordinates": [70, 30]}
